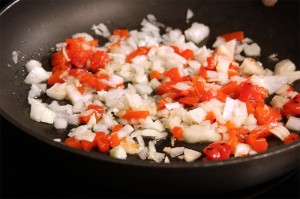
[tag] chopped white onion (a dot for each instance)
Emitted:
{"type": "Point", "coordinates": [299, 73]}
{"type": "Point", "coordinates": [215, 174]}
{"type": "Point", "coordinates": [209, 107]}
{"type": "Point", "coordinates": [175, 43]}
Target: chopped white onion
{"type": "Point", "coordinates": [58, 91]}
{"type": "Point", "coordinates": [176, 151]}
{"type": "Point", "coordinates": [280, 131]}
{"type": "Point", "coordinates": [284, 66]}
{"type": "Point", "coordinates": [251, 67]}
{"type": "Point", "coordinates": [37, 75]}
{"type": "Point", "coordinates": [31, 64]}
{"type": "Point", "coordinates": [197, 133]}
{"type": "Point", "coordinates": [242, 149]}
{"type": "Point", "coordinates": [252, 50]}
{"type": "Point", "coordinates": [293, 123]}
{"type": "Point", "coordinates": [197, 115]}
{"type": "Point", "coordinates": [15, 56]}
{"type": "Point", "coordinates": [173, 105]}
{"type": "Point", "coordinates": [191, 155]}
{"type": "Point", "coordinates": [197, 32]}
{"type": "Point", "coordinates": [118, 152]}
{"type": "Point", "coordinates": [60, 123]}
{"type": "Point", "coordinates": [40, 113]}
{"type": "Point", "coordinates": [189, 15]}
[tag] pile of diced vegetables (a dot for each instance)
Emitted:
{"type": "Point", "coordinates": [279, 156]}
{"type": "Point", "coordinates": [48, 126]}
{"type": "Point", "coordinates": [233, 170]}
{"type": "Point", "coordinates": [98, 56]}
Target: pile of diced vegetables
{"type": "Point", "coordinates": [142, 87]}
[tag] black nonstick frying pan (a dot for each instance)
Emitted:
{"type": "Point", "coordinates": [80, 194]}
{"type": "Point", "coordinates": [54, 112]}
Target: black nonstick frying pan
{"type": "Point", "coordinates": [33, 27]}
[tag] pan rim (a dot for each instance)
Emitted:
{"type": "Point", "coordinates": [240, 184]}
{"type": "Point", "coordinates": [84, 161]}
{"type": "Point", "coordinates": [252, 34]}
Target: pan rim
{"type": "Point", "coordinates": [141, 163]}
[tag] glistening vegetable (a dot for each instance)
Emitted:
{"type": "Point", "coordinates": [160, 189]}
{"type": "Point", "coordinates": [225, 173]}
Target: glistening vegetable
{"type": "Point", "coordinates": [142, 87]}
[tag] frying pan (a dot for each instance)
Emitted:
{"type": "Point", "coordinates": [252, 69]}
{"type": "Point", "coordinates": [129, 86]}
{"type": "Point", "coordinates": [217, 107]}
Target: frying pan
{"type": "Point", "coordinates": [33, 27]}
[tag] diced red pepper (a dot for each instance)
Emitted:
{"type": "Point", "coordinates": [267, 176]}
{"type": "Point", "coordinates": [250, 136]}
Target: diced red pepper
{"type": "Point", "coordinates": [229, 88]}
{"type": "Point", "coordinates": [190, 101]}
{"type": "Point", "coordinates": [211, 63]}
{"type": "Point", "coordinates": [114, 140]}
{"type": "Point", "coordinates": [140, 51]}
{"type": "Point", "coordinates": [57, 77]}
{"type": "Point", "coordinates": [116, 127]}
{"type": "Point", "coordinates": [257, 144]}
{"type": "Point", "coordinates": [232, 141]}
{"type": "Point", "coordinates": [292, 107]}
{"type": "Point", "coordinates": [84, 119]}
{"type": "Point", "coordinates": [203, 72]}
{"type": "Point", "coordinates": [97, 108]}
{"type": "Point", "coordinates": [87, 145]}
{"type": "Point", "coordinates": [77, 53]}
{"type": "Point", "coordinates": [211, 117]}
{"type": "Point", "coordinates": [131, 114]}
{"type": "Point", "coordinates": [265, 114]}
{"type": "Point", "coordinates": [176, 50]}
{"type": "Point", "coordinates": [252, 94]}
{"type": "Point", "coordinates": [205, 96]}
{"type": "Point", "coordinates": [102, 141]}
{"type": "Point", "coordinates": [58, 58]}
{"type": "Point", "coordinates": [73, 142]}
{"type": "Point", "coordinates": [217, 151]}
{"type": "Point", "coordinates": [81, 89]}
{"type": "Point", "coordinates": [99, 60]}
{"type": "Point", "coordinates": [174, 74]}
{"type": "Point", "coordinates": [229, 125]}
{"type": "Point", "coordinates": [292, 137]}
{"type": "Point", "coordinates": [187, 54]}
{"type": "Point", "coordinates": [122, 33]}
{"type": "Point", "coordinates": [162, 103]}
{"type": "Point", "coordinates": [221, 96]}
{"type": "Point", "coordinates": [77, 72]}
{"type": "Point", "coordinates": [156, 74]}
{"type": "Point", "coordinates": [238, 35]}
{"type": "Point", "coordinates": [177, 132]}
{"type": "Point", "coordinates": [250, 108]}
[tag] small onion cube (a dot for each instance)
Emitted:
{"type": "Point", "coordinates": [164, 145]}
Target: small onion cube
{"type": "Point", "coordinates": [293, 123]}
{"type": "Point", "coordinates": [118, 152]}
{"type": "Point", "coordinates": [191, 155]}
{"type": "Point", "coordinates": [280, 131]}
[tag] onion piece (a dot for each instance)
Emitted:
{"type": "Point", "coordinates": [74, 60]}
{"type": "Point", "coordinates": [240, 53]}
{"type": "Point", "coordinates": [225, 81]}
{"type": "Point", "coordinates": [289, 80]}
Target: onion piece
{"type": "Point", "coordinates": [60, 123]}
{"type": "Point", "coordinates": [173, 105]}
{"type": "Point", "coordinates": [58, 91]}
{"type": "Point", "coordinates": [143, 153]}
{"type": "Point", "coordinates": [176, 151]}
{"type": "Point", "coordinates": [191, 155]}
{"type": "Point", "coordinates": [284, 66]}
{"type": "Point", "coordinates": [197, 133]}
{"type": "Point", "coordinates": [37, 75]}
{"type": "Point", "coordinates": [40, 113]}
{"type": "Point", "coordinates": [31, 64]}
{"type": "Point", "coordinates": [280, 131]}
{"type": "Point", "coordinates": [189, 15]}
{"type": "Point", "coordinates": [197, 115]}
{"type": "Point", "coordinates": [251, 67]}
{"type": "Point", "coordinates": [118, 152]}
{"type": "Point", "coordinates": [36, 90]}
{"type": "Point", "coordinates": [242, 150]}
{"type": "Point", "coordinates": [293, 123]}
{"type": "Point", "coordinates": [197, 32]}
{"type": "Point", "coordinates": [252, 50]}
{"type": "Point", "coordinates": [156, 156]}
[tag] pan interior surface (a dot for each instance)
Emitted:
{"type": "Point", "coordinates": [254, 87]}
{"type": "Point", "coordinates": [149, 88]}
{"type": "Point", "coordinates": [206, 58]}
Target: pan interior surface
{"type": "Point", "coordinates": [32, 28]}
